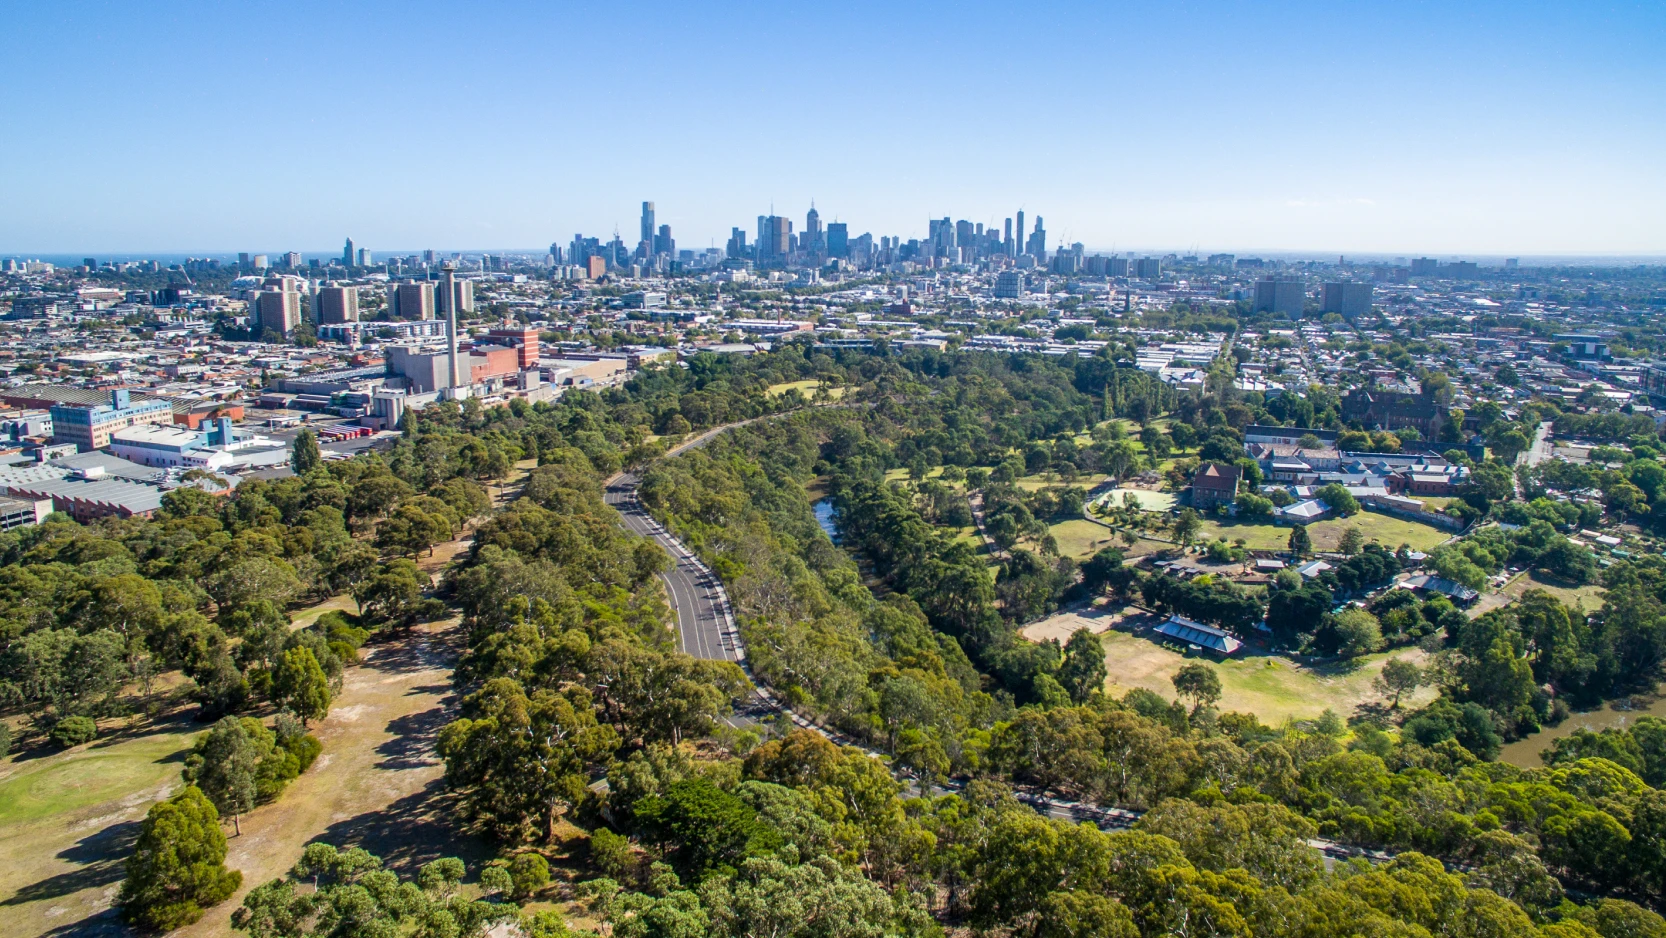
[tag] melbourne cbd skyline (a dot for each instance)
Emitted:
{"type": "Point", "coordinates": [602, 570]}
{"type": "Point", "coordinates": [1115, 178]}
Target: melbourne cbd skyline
{"type": "Point", "coordinates": [1502, 129]}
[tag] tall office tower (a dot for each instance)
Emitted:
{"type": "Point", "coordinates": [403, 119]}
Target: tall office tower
{"type": "Point", "coordinates": [1006, 242]}
{"type": "Point", "coordinates": [411, 300]}
{"type": "Point", "coordinates": [775, 235]}
{"type": "Point", "coordinates": [1018, 244]}
{"type": "Point", "coordinates": [1280, 295]}
{"type": "Point", "coordinates": [966, 235]}
{"type": "Point", "coordinates": [648, 222]}
{"type": "Point", "coordinates": [259, 261]}
{"type": "Point", "coordinates": [941, 236]}
{"type": "Point", "coordinates": [336, 304]}
{"type": "Point", "coordinates": [814, 241]}
{"type": "Point", "coordinates": [428, 257]}
{"type": "Point", "coordinates": [243, 258]}
{"type": "Point", "coordinates": [1348, 298]}
{"type": "Point", "coordinates": [364, 257]}
{"type": "Point", "coordinates": [556, 254]}
{"type": "Point", "coordinates": [450, 272]}
{"type": "Point", "coordinates": [736, 247]}
{"type": "Point", "coordinates": [838, 239]}
{"type": "Point", "coordinates": [292, 259]}
{"type": "Point", "coordinates": [1148, 268]}
{"type": "Point", "coordinates": [347, 256]}
{"type": "Point", "coordinates": [663, 244]}
{"type": "Point", "coordinates": [1038, 241]}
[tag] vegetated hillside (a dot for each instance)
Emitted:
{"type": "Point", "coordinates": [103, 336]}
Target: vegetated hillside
{"type": "Point", "coordinates": [708, 830]}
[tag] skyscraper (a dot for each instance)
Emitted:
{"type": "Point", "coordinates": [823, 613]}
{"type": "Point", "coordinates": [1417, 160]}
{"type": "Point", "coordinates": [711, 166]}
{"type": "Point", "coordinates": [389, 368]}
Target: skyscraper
{"type": "Point", "coordinates": [347, 255]}
{"type": "Point", "coordinates": [1006, 242]}
{"type": "Point", "coordinates": [1037, 246]}
{"type": "Point", "coordinates": [364, 257]}
{"type": "Point", "coordinates": [838, 239]}
{"type": "Point", "coordinates": [663, 244]}
{"type": "Point", "coordinates": [775, 234]}
{"type": "Point", "coordinates": [815, 236]}
{"type": "Point", "coordinates": [737, 243]}
{"type": "Point", "coordinates": [648, 223]}
{"type": "Point", "coordinates": [1018, 242]}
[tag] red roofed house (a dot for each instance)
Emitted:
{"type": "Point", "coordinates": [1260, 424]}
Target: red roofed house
{"type": "Point", "coordinates": [1214, 484]}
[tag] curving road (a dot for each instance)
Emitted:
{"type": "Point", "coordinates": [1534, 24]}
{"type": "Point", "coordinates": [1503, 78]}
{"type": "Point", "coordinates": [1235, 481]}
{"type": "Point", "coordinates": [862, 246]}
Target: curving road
{"type": "Point", "coordinates": [706, 629]}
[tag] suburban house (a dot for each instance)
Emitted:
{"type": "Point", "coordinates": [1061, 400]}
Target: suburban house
{"type": "Point", "coordinates": [1214, 484]}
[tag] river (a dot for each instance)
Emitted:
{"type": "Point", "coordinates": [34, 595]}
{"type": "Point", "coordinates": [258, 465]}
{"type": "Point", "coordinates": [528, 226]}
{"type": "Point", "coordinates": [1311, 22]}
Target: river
{"type": "Point", "coordinates": [827, 518]}
{"type": "Point", "coordinates": [1525, 752]}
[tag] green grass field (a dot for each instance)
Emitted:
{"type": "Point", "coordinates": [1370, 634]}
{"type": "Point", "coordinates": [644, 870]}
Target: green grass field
{"type": "Point", "coordinates": [1387, 531]}
{"type": "Point", "coordinates": [806, 387]}
{"type": "Point", "coordinates": [1272, 688]}
{"type": "Point", "coordinates": [103, 771]}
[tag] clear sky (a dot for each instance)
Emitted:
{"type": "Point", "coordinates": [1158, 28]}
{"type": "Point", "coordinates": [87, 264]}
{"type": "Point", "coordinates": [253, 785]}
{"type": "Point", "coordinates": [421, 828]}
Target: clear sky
{"type": "Point", "coordinates": [1402, 127]}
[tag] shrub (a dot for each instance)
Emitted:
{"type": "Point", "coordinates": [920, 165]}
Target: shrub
{"type": "Point", "coordinates": [529, 872]}
{"type": "Point", "coordinates": [73, 731]}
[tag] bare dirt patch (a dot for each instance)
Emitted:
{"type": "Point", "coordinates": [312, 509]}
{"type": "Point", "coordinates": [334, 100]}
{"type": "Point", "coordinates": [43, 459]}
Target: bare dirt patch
{"type": "Point", "coordinates": [1059, 627]}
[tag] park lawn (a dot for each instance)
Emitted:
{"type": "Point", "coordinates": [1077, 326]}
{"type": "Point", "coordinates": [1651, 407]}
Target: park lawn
{"type": "Point", "coordinates": [1086, 480]}
{"type": "Point", "coordinates": [807, 387]}
{"type": "Point", "coordinates": [1081, 538]}
{"type": "Point", "coordinates": [1273, 688]}
{"type": "Point", "coordinates": [1388, 531]}
{"type": "Point", "coordinates": [1385, 530]}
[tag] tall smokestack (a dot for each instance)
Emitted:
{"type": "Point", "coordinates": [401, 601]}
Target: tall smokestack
{"type": "Point", "coordinates": [450, 271]}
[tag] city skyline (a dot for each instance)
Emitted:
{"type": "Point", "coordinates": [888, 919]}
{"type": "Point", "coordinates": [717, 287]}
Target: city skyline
{"type": "Point", "coordinates": [1497, 130]}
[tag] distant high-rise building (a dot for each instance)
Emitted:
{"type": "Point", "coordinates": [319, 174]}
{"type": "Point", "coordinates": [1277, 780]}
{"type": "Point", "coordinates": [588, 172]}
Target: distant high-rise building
{"type": "Point", "coordinates": [1037, 245]}
{"type": "Point", "coordinates": [838, 240]}
{"type": "Point", "coordinates": [277, 307]}
{"type": "Point", "coordinates": [243, 259]}
{"type": "Point", "coordinates": [348, 257]}
{"type": "Point", "coordinates": [556, 254]}
{"type": "Point", "coordinates": [336, 304]}
{"type": "Point", "coordinates": [736, 247]}
{"type": "Point", "coordinates": [942, 237]}
{"type": "Point", "coordinates": [966, 234]}
{"type": "Point", "coordinates": [595, 267]}
{"type": "Point", "coordinates": [815, 237]}
{"type": "Point", "coordinates": [1148, 268]}
{"type": "Point", "coordinates": [775, 234]}
{"type": "Point", "coordinates": [1006, 241]}
{"type": "Point", "coordinates": [292, 260]}
{"type": "Point", "coordinates": [259, 261]}
{"type": "Point", "coordinates": [648, 222]}
{"type": "Point", "coordinates": [1018, 233]}
{"type": "Point", "coordinates": [364, 257]}
{"type": "Point", "coordinates": [1009, 285]}
{"type": "Point", "coordinates": [411, 300]}
{"type": "Point", "coordinates": [1512, 263]}
{"type": "Point", "coordinates": [464, 294]}
{"type": "Point", "coordinates": [1284, 295]}
{"type": "Point", "coordinates": [1424, 266]}
{"type": "Point", "coordinates": [428, 257]}
{"type": "Point", "coordinates": [1346, 297]}
{"type": "Point", "coordinates": [663, 244]}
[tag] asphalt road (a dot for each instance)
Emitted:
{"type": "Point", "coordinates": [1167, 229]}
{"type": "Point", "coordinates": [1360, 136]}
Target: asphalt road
{"type": "Point", "coordinates": [705, 624]}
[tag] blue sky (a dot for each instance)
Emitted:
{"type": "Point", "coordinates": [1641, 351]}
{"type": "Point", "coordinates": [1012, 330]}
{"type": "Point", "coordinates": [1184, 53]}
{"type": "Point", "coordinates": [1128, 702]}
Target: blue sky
{"type": "Point", "coordinates": [1443, 128]}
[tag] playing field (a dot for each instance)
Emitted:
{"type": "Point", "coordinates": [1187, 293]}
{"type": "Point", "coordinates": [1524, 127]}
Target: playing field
{"type": "Point", "coordinates": [1382, 529]}
{"type": "Point", "coordinates": [806, 387]}
{"type": "Point", "coordinates": [1272, 688]}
